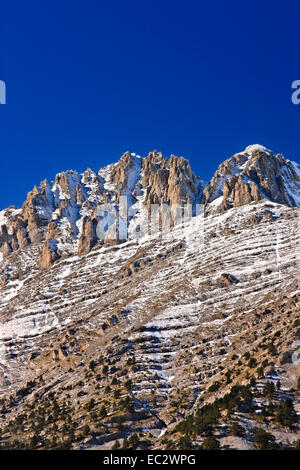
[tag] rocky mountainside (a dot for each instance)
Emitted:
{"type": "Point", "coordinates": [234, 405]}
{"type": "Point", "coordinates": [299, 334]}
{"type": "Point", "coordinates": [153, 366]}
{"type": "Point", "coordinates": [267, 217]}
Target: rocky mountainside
{"type": "Point", "coordinates": [62, 214]}
{"type": "Point", "coordinates": [251, 176]}
{"type": "Point", "coordinates": [113, 339]}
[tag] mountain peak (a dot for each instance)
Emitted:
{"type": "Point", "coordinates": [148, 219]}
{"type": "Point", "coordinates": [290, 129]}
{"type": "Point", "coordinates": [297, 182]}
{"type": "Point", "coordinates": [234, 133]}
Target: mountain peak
{"type": "Point", "coordinates": [64, 210]}
{"type": "Point", "coordinates": [173, 315]}
{"type": "Point", "coordinates": [256, 147]}
{"type": "Point", "coordinates": [252, 175]}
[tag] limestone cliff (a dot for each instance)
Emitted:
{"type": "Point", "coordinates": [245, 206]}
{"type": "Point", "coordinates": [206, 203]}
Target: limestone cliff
{"type": "Point", "coordinates": [65, 210]}
{"type": "Point", "coordinates": [253, 175]}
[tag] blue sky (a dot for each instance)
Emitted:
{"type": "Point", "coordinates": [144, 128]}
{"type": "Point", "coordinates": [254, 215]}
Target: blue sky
{"type": "Point", "coordinates": [88, 80]}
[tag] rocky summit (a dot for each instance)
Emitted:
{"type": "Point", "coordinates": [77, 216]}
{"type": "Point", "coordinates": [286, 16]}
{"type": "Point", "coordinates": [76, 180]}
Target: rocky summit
{"type": "Point", "coordinates": [118, 329]}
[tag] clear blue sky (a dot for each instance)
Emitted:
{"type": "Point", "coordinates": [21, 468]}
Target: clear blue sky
{"type": "Point", "coordinates": [88, 80]}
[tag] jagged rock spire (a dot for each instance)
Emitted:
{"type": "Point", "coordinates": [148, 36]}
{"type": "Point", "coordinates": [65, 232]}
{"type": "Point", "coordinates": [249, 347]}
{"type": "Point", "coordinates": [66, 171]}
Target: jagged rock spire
{"type": "Point", "coordinates": [64, 210]}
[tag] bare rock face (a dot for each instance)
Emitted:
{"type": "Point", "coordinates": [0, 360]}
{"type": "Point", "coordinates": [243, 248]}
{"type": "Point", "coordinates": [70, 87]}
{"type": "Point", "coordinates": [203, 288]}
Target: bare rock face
{"type": "Point", "coordinates": [50, 254]}
{"type": "Point", "coordinates": [18, 234]}
{"type": "Point", "coordinates": [244, 193]}
{"type": "Point", "coordinates": [123, 176]}
{"type": "Point", "coordinates": [36, 212]}
{"type": "Point", "coordinates": [6, 250]}
{"type": "Point", "coordinates": [65, 210]}
{"type": "Point", "coordinates": [22, 238]}
{"type": "Point", "coordinates": [59, 354]}
{"type": "Point", "coordinates": [11, 236]}
{"type": "Point", "coordinates": [227, 280]}
{"type": "Point", "coordinates": [169, 181]}
{"type": "Point", "coordinates": [88, 237]}
{"type": "Point", "coordinates": [253, 175]}
{"type": "Point", "coordinates": [4, 242]}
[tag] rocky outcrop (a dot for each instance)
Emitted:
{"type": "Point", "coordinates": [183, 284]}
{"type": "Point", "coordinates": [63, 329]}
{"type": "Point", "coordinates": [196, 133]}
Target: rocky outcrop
{"type": "Point", "coordinates": [227, 280]}
{"type": "Point", "coordinates": [88, 236]}
{"type": "Point", "coordinates": [66, 209]}
{"type": "Point", "coordinates": [59, 354]}
{"type": "Point", "coordinates": [169, 181]}
{"type": "Point", "coordinates": [6, 250]}
{"type": "Point", "coordinates": [125, 175]}
{"type": "Point", "coordinates": [253, 175]}
{"type": "Point", "coordinates": [50, 254]}
{"type": "Point", "coordinates": [240, 192]}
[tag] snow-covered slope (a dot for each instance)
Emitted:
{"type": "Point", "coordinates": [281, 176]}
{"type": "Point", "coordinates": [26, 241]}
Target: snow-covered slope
{"type": "Point", "coordinates": [244, 239]}
{"type": "Point", "coordinates": [176, 304]}
{"type": "Point", "coordinates": [168, 285]}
